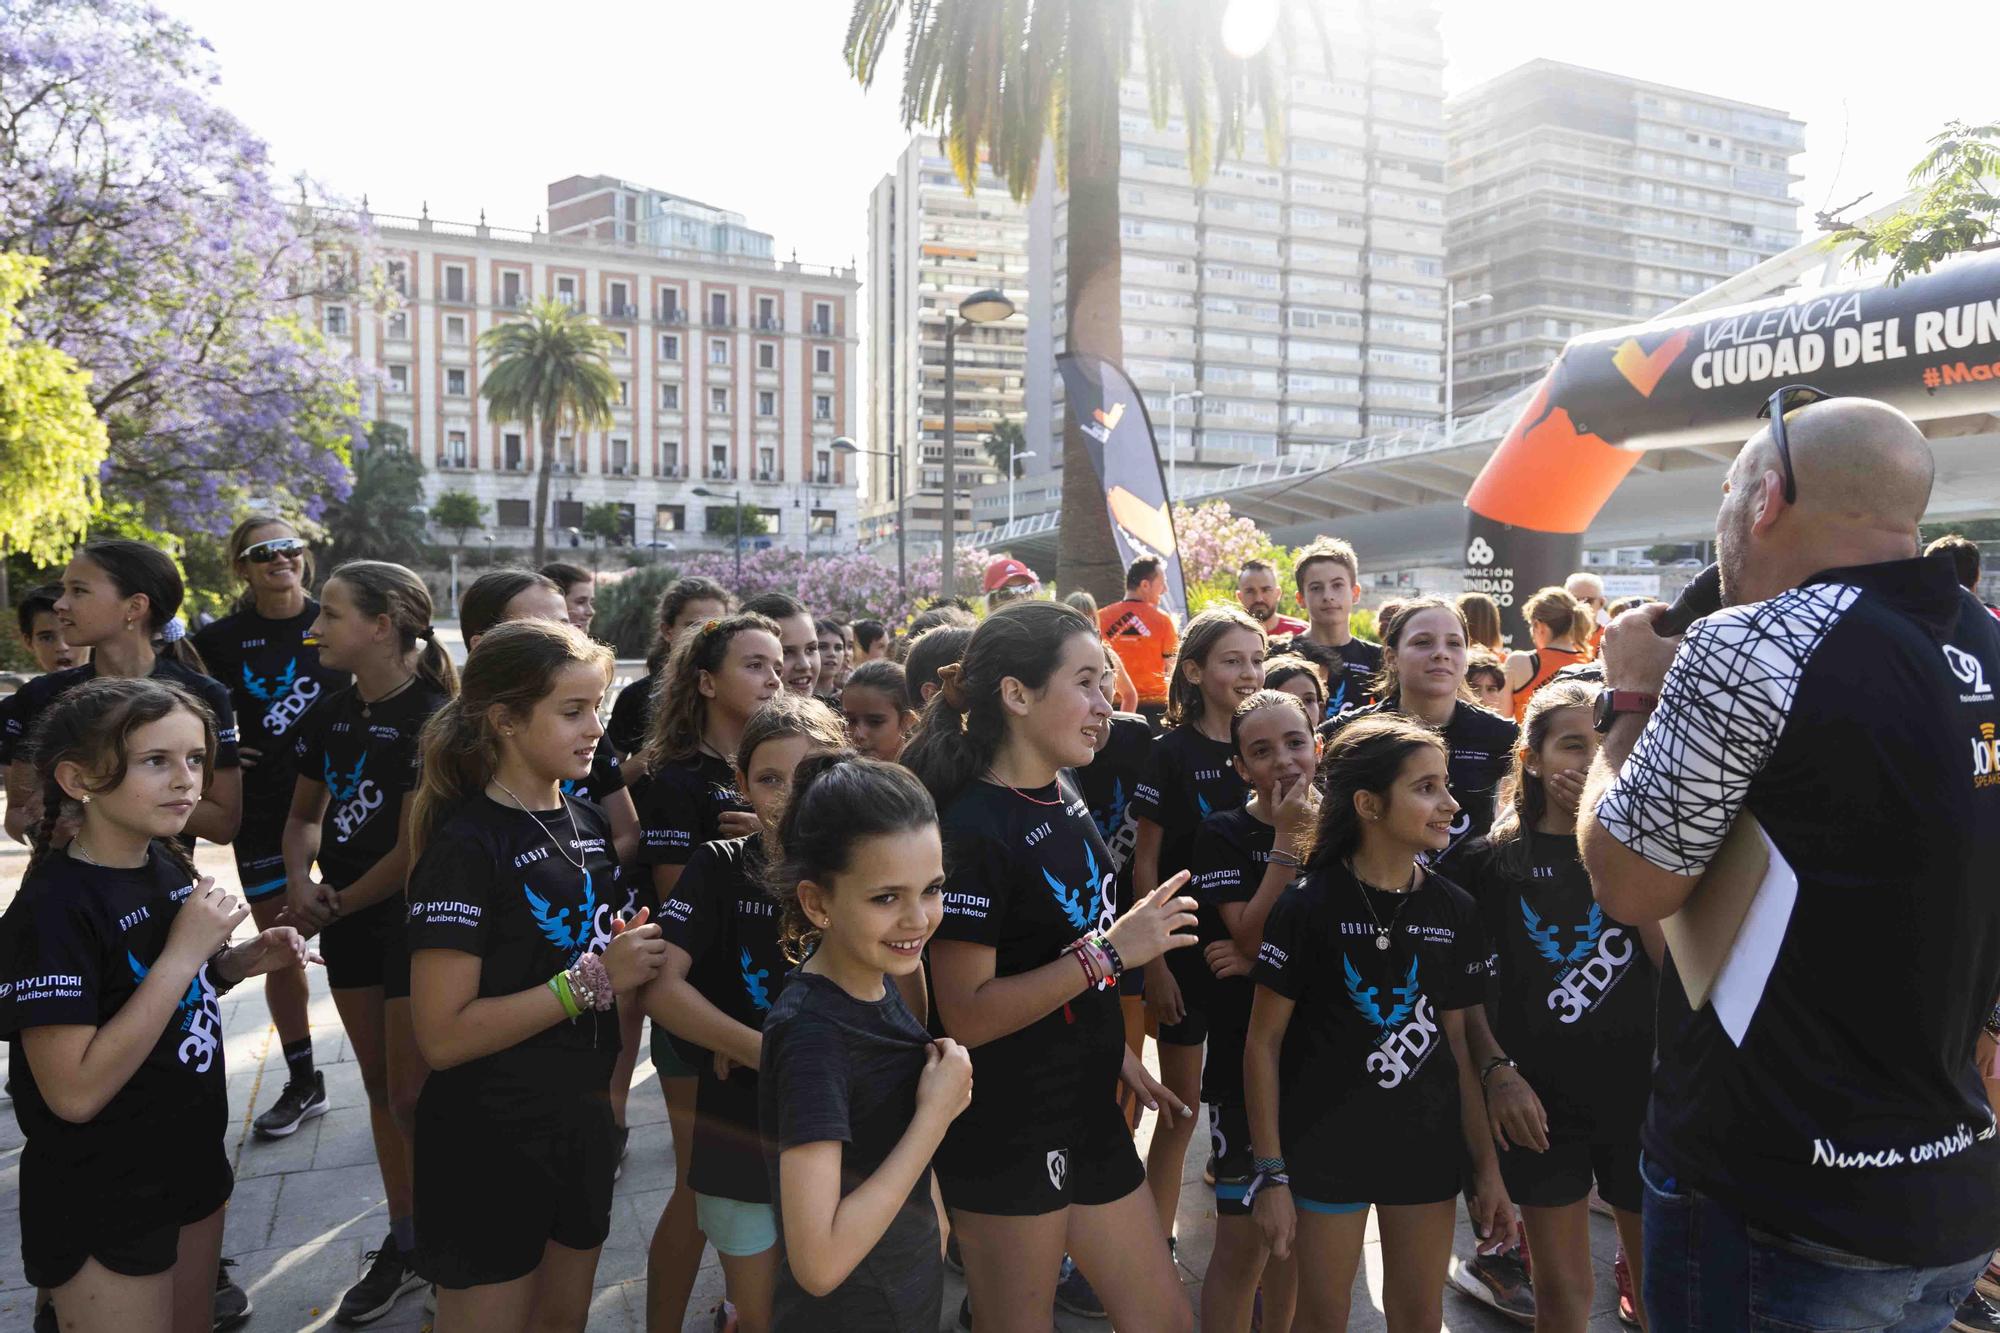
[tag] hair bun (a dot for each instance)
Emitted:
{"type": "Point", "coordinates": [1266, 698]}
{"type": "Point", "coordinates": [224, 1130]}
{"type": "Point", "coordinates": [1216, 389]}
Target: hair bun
{"type": "Point", "coordinates": [173, 631]}
{"type": "Point", "coordinates": [951, 684]}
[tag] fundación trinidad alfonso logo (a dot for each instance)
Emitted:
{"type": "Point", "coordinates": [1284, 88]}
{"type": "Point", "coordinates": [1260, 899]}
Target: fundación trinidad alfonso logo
{"type": "Point", "coordinates": [1479, 553]}
{"type": "Point", "coordinates": [1643, 369]}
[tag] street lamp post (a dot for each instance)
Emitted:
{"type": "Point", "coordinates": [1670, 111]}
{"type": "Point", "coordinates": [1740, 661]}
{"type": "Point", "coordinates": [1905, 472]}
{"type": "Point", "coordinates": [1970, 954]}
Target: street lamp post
{"type": "Point", "coordinates": [1174, 435]}
{"type": "Point", "coordinates": [1012, 456]}
{"type": "Point", "coordinates": [1451, 307]}
{"type": "Point", "coordinates": [737, 501]}
{"type": "Point", "coordinates": [845, 445]}
{"type": "Point", "coordinates": [982, 307]}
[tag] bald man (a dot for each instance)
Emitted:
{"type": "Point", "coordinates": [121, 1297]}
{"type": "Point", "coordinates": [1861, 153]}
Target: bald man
{"type": "Point", "coordinates": [1818, 1142]}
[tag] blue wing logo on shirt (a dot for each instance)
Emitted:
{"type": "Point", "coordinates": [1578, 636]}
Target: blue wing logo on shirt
{"type": "Point", "coordinates": [1114, 810]}
{"type": "Point", "coordinates": [753, 982]}
{"type": "Point", "coordinates": [555, 922]}
{"type": "Point", "coordinates": [569, 785]}
{"type": "Point", "coordinates": [1071, 902]}
{"type": "Point", "coordinates": [1364, 996]}
{"type": "Point", "coordinates": [1201, 804]}
{"type": "Point", "coordinates": [345, 787]}
{"type": "Point", "coordinates": [187, 1002]}
{"type": "Point", "coordinates": [1548, 939]}
{"type": "Point", "coordinates": [278, 689]}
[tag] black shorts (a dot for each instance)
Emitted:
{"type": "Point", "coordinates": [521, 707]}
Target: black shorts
{"type": "Point", "coordinates": [1091, 1162]}
{"type": "Point", "coordinates": [128, 1220]}
{"type": "Point", "coordinates": [1191, 973]}
{"type": "Point", "coordinates": [260, 867]}
{"type": "Point", "coordinates": [491, 1196]}
{"type": "Point", "coordinates": [369, 948]}
{"type": "Point", "coordinates": [1229, 1143]}
{"type": "Point", "coordinates": [1562, 1175]}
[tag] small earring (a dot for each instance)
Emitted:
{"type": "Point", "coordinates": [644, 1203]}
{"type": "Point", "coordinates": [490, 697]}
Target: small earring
{"type": "Point", "coordinates": [84, 799]}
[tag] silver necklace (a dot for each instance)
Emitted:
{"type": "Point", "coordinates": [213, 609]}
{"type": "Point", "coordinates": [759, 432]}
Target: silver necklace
{"type": "Point", "coordinates": [574, 835]}
{"type": "Point", "coordinates": [1382, 932]}
{"type": "Point", "coordinates": [76, 845]}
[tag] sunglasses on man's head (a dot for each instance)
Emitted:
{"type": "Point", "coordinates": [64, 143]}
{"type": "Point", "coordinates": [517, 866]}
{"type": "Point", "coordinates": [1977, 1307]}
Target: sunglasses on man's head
{"type": "Point", "coordinates": [263, 553]}
{"type": "Point", "coordinates": [1790, 398]}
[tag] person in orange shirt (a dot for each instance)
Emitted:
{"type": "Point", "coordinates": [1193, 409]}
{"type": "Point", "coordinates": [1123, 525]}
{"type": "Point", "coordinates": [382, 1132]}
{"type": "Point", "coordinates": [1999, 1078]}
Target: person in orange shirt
{"type": "Point", "coordinates": [1142, 635]}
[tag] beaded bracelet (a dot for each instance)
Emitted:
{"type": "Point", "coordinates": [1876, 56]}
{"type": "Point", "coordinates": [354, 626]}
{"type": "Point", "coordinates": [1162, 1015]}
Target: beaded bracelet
{"type": "Point", "coordinates": [590, 967]}
{"type": "Point", "coordinates": [559, 984]}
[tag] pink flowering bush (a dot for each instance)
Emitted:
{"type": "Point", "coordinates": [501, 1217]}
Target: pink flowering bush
{"type": "Point", "coordinates": [1214, 545]}
{"type": "Point", "coordinates": [851, 586]}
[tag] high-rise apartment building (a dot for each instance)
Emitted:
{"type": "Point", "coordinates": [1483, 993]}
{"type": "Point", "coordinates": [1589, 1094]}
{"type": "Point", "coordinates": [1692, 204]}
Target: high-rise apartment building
{"type": "Point", "coordinates": [735, 374]}
{"type": "Point", "coordinates": [1301, 293]}
{"type": "Point", "coordinates": [1582, 200]}
{"type": "Point", "coordinates": [608, 209]}
{"type": "Point", "coordinates": [931, 245]}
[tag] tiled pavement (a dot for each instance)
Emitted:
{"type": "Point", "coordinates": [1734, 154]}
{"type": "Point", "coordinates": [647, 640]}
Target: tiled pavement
{"type": "Point", "coordinates": [306, 1207]}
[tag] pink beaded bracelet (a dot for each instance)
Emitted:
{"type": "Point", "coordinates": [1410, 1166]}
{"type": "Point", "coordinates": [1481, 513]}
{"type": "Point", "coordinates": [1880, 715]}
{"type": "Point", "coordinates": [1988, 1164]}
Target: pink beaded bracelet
{"type": "Point", "coordinates": [590, 967]}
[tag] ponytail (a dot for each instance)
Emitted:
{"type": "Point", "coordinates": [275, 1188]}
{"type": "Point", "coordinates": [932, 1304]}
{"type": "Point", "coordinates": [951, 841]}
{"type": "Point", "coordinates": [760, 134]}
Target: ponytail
{"type": "Point", "coordinates": [964, 724]}
{"type": "Point", "coordinates": [380, 588]}
{"type": "Point", "coordinates": [136, 569]}
{"type": "Point", "coordinates": [1566, 618]}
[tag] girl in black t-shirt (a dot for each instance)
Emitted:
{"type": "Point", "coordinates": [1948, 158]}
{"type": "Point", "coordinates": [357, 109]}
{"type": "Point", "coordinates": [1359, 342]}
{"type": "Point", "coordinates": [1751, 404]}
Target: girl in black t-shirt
{"type": "Point", "coordinates": [719, 672]}
{"type": "Point", "coordinates": [261, 654]}
{"type": "Point", "coordinates": [724, 968]}
{"type": "Point", "coordinates": [113, 956]}
{"type": "Point", "coordinates": [1243, 859]}
{"type": "Point", "coordinates": [854, 1095]}
{"type": "Point", "coordinates": [875, 701]}
{"type": "Point", "coordinates": [1024, 968]}
{"type": "Point", "coordinates": [1188, 777]}
{"type": "Point", "coordinates": [688, 602]}
{"type": "Point", "coordinates": [356, 760]}
{"type": "Point", "coordinates": [1567, 1064]}
{"type": "Point", "coordinates": [1295, 675]}
{"type": "Point", "coordinates": [517, 953]}
{"type": "Point", "coordinates": [1366, 968]}
{"type": "Point", "coordinates": [120, 599]}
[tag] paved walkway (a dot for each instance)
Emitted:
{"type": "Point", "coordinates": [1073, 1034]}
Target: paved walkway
{"type": "Point", "coordinates": [306, 1207]}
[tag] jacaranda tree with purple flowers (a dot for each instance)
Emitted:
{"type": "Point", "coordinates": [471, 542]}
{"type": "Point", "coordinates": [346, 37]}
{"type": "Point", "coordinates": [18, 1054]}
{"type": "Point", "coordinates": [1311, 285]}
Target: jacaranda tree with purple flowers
{"type": "Point", "coordinates": [173, 266]}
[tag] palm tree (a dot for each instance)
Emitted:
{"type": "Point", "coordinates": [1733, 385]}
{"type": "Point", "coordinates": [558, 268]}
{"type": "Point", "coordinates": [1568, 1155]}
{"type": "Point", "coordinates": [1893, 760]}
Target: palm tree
{"type": "Point", "coordinates": [997, 80]}
{"type": "Point", "coordinates": [549, 369]}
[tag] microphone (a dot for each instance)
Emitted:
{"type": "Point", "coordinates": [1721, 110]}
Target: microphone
{"type": "Point", "coordinates": [1701, 597]}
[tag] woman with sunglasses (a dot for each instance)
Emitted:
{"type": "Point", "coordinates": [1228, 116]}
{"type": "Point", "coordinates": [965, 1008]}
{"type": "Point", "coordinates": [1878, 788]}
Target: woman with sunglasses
{"type": "Point", "coordinates": [265, 657]}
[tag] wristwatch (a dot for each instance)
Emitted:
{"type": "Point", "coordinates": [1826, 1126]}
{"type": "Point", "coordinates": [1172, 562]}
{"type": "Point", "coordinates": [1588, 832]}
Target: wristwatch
{"type": "Point", "coordinates": [1611, 703]}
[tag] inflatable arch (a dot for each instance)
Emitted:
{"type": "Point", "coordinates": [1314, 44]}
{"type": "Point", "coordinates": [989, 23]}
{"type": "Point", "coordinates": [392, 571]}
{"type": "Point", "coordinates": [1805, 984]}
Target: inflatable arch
{"type": "Point", "coordinates": [1930, 347]}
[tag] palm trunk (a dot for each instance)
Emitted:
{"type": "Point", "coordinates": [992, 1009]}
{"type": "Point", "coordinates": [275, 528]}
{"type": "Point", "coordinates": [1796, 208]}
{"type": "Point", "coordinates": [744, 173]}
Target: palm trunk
{"type": "Point", "coordinates": [1088, 556]}
{"type": "Point", "coordinates": [542, 475]}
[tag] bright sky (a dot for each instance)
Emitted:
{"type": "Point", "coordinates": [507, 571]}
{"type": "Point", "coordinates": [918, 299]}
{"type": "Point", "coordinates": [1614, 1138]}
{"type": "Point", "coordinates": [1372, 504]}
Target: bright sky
{"type": "Point", "coordinates": [746, 105]}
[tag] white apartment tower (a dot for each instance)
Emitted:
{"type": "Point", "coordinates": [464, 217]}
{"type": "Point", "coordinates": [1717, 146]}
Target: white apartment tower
{"type": "Point", "coordinates": [1303, 293]}
{"type": "Point", "coordinates": [931, 245]}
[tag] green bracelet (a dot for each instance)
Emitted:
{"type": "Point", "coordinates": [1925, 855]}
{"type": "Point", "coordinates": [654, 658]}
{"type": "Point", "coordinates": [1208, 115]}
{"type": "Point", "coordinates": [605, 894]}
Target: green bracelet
{"type": "Point", "coordinates": [559, 983]}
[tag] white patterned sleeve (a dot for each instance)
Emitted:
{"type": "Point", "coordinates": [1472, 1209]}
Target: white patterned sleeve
{"type": "Point", "coordinates": [1724, 705]}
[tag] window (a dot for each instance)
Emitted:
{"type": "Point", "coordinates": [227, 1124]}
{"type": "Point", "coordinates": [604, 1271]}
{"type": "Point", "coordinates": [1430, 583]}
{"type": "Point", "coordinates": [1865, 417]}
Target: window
{"type": "Point", "coordinates": [718, 399]}
{"type": "Point", "coordinates": [767, 356]}
{"type": "Point", "coordinates": [670, 458]}
{"type": "Point", "coordinates": [566, 291]}
{"type": "Point", "coordinates": [336, 321]}
{"type": "Point", "coordinates": [773, 520]}
{"type": "Point", "coordinates": [670, 347]}
{"type": "Point", "coordinates": [767, 403]}
{"type": "Point", "coordinates": [718, 460]}
{"type": "Point", "coordinates": [624, 393]}
{"type": "Point", "coordinates": [767, 313]}
{"type": "Point", "coordinates": [822, 360]}
{"type": "Point", "coordinates": [621, 456]}
{"type": "Point", "coordinates": [454, 448]}
{"type": "Point", "coordinates": [670, 397]}
{"type": "Point", "coordinates": [454, 382]}
{"type": "Point", "coordinates": [824, 522]}
{"type": "Point", "coordinates": [767, 465]}
{"type": "Point", "coordinates": [621, 343]}
{"type": "Point", "coordinates": [568, 513]}
{"type": "Point", "coordinates": [510, 290]}
{"type": "Point", "coordinates": [718, 351]}
{"type": "Point", "coordinates": [511, 513]}
{"type": "Point", "coordinates": [512, 460]}
{"type": "Point", "coordinates": [398, 271]}
{"type": "Point", "coordinates": [399, 326]}
{"type": "Point", "coordinates": [718, 309]}
{"type": "Point", "coordinates": [454, 282]}
{"type": "Point", "coordinates": [822, 468]}
{"type": "Point", "coordinates": [618, 305]}
{"type": "Point", "coordinates": [670, 306]}
{"type": "Point", "coordinates": [399, 378]}
{"type": "Point", "coordinates": [670, 518]}
{"type": "Point", "coordinates": [454, 329]}
{"type": "Point", "coordinates": [822, 317]}
{"type": "Point", "coordinates": [565, 453]}
{"type": "Point", "coordinates": [822, 407]}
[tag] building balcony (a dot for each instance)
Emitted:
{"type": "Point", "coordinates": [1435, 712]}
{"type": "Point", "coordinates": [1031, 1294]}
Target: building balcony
{"type": "Point", "coordinates": [671, 314]}
{"type": "Point", "coordinates": [621, 311]}
{"type": "Point", "coordinates": [719, 472]}
{"type": "Point", "coordinates": [769, 324]}
{"type": "Point", "coordinates": [822, 329]}
{"type": "Point", "coordinates": [766, 475]}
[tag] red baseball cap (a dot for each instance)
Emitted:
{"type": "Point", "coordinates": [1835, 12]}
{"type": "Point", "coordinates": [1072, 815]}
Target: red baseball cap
{"type": "Point", "coordinates": [1006, 570]}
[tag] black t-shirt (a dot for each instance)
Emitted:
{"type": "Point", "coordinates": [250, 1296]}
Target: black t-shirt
{"type": "Point", "coordinates": [1828, 1088]}
{"type": "Point", "coordinates": [1573, 990]}
{"type": "Point", "coordinates": [1479, 748]}
{"type": "Point", "coordinates": [1107, 783]}
{"type": "Point", "coordinates": [1232, 850]}
{"type": "Point", "coordinates": [366, 755]}
{"type": "Point", "coordinates": [1350, 669]}
{"type": "Point", "coordinates": [1188, 777]}
{"type": "Point", "coordinates": [274, 679]}
{"type": "Point", "coordinates": [1026, 874]}
{"type": "Point", "coordinates": [606, 776]}
{"type": "Point", "coordinates": [501, 883]}
{"type": "Point", "coordinates": [74, 946]}
{"type": "Point", "coordinates": [631, 716]}
{"type": "Point", "coordinates": [841, 1070]}
{"type": "Point", "coordinates": [34, 698]}
{"type": "Point", "coordinates": [1367, 1076]}
{"type": "Point", "coordinates": [681, 807]}
{"type": "Point", "coordinates": [728, 925]}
